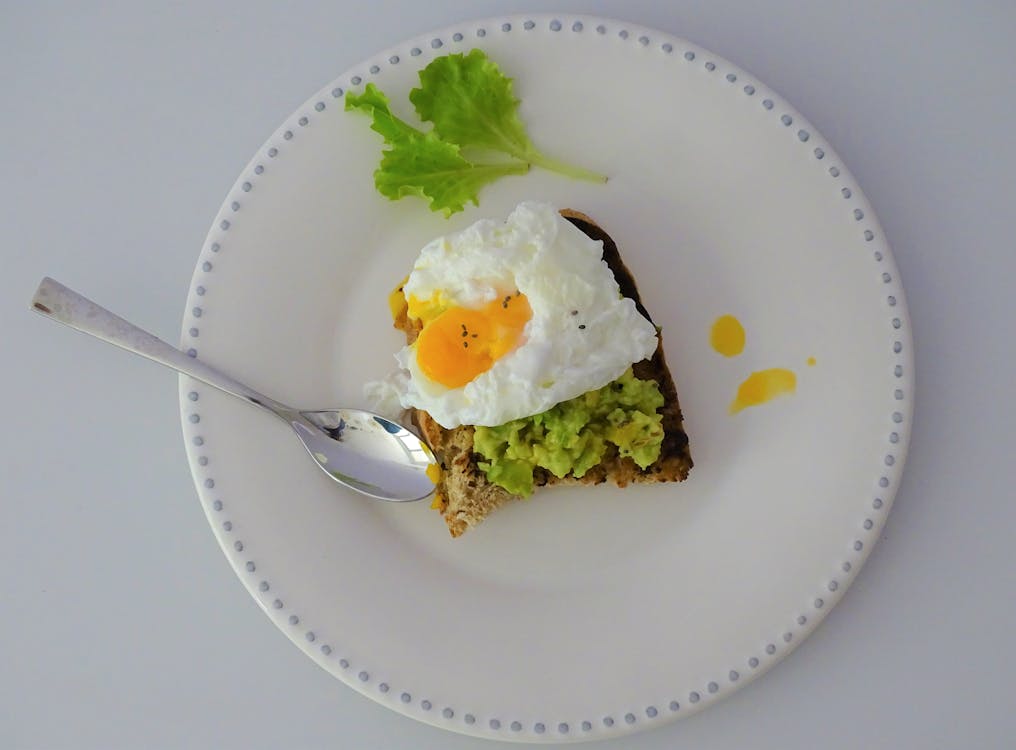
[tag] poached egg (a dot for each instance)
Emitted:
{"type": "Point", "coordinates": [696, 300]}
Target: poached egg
{"type": "Point", "coordinates": [517, 316]}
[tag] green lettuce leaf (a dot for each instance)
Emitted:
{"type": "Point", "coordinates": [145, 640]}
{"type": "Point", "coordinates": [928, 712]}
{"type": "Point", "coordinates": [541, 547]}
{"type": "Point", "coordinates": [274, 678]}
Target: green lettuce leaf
{"type": "Point", "coordinates": [373, 102]}
{"type": "Point", "coordinates": [471, 103]}
{"type": "Point", "coordinates": [419, 163]}
{"type": "Point", "coordinates": [434, 169]}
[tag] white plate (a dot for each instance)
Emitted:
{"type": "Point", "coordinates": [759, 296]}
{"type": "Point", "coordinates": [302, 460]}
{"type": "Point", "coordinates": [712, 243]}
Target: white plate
{"type": "Point", "coordinates": [586, 612]}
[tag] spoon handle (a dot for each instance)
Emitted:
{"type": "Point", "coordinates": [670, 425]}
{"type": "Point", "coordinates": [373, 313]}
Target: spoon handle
{"type": "Point", "coordinates": [66, 306]}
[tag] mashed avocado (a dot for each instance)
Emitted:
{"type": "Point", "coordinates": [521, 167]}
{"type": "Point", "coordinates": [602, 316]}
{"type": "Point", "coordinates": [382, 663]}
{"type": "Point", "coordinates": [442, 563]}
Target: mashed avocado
{"type": "Point", "coordinates": [572, 436]}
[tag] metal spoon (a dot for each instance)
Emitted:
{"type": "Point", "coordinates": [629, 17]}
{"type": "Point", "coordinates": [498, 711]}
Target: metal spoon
{"type": "Point", "coordinates": [361, 450]}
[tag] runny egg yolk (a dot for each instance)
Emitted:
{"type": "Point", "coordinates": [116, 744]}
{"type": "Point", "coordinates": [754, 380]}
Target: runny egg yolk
{"type": "Point", "coordinates": [461, 343]}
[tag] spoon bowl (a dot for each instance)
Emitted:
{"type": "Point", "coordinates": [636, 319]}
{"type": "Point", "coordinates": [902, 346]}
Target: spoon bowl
{"type": "Point", "coordinates": [365, 451]}
{"type": "Point", "coordinates": [359, 449]}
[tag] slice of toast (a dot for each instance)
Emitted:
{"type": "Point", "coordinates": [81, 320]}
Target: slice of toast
{"type": "Point", "coordinates": [465, 497]}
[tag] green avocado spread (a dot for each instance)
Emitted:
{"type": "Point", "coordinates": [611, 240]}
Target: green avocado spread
{"type": "Point", "coordinates": [572, 436]}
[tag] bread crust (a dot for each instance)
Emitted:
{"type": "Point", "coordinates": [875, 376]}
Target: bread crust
{"type": "Point", "coordinates": [465, 497]}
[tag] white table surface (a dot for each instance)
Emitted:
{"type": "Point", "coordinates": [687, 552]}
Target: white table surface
{"type": "Point", "coordinates": [123, 126]}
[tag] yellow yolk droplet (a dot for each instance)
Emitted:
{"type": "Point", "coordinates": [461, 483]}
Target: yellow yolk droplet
{"type": "Point", "coordinates": [811, 361]}
{"type": "Point", "coordinates": [397, 300]}
{"type": "Point", "coordinates": [434, 473]}
{"type": "Point", "coordinates": [763, 386]}
{"type": "Point", "coordinates": [438, 503]}
{"type": "Point", "coordinates": [461, 343]}
{"type": "Point", "coordinates": [727, 336]}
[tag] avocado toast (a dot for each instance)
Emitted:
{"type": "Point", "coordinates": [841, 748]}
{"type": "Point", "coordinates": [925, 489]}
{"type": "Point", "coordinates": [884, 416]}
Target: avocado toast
{"type": "Point", "coordinates": [469, 487]}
